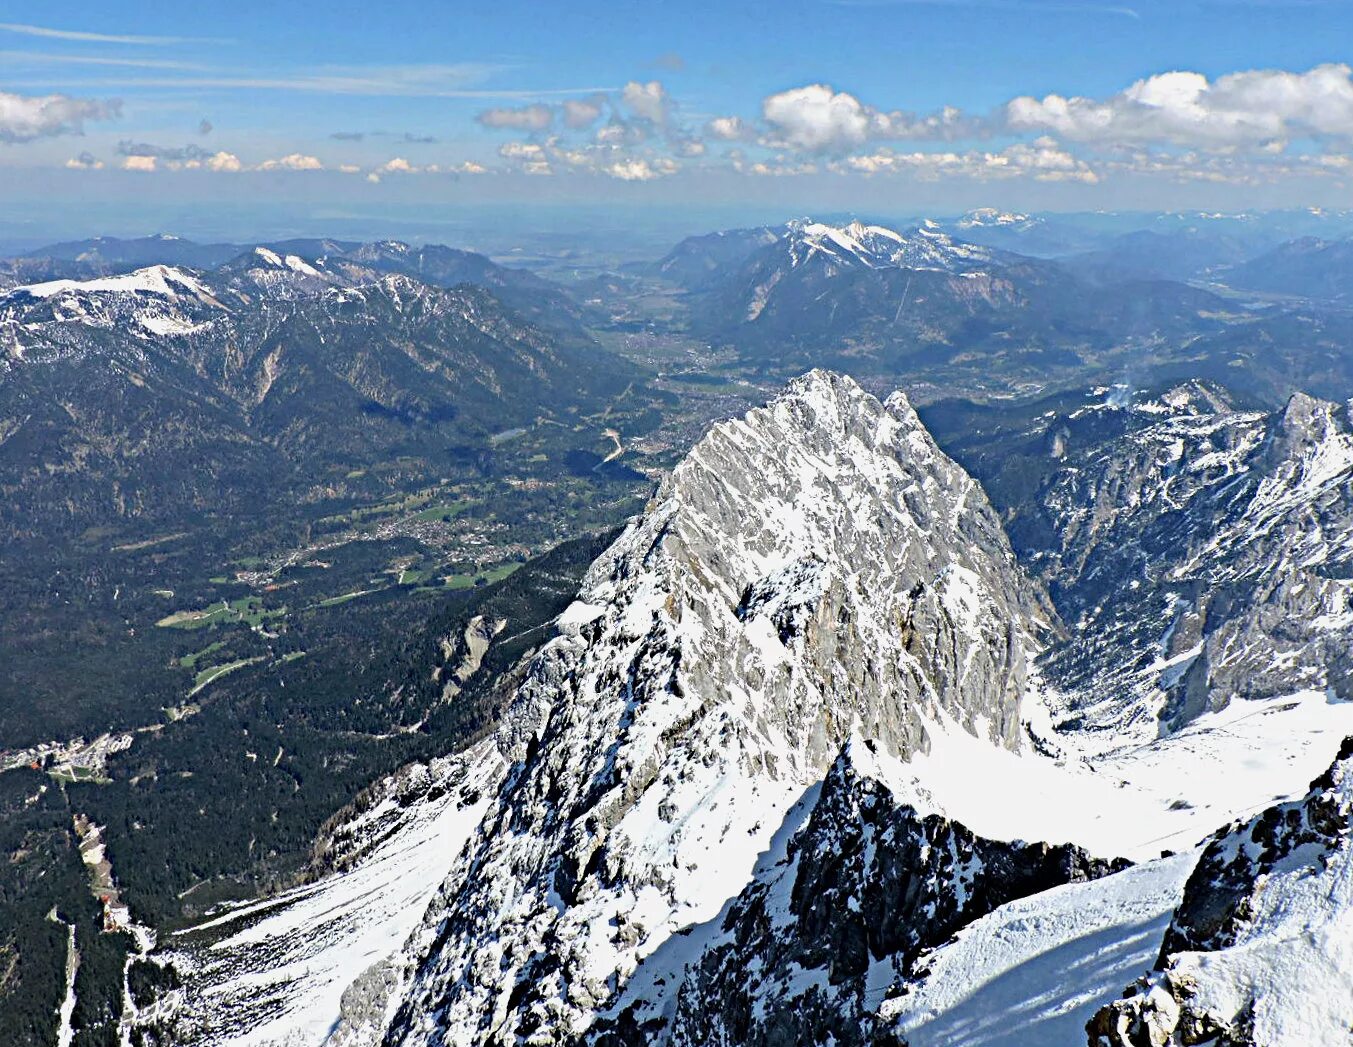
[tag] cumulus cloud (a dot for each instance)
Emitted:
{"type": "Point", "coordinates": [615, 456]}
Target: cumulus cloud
{"type": "Point", "coordinates": [579, 113]}
{"type": "Point", "coordinates": [1254, 109]}
{"type": "Point", "coordinates": [400, 166]}
{"type": "Point", "coordinates": [24, 118]}
{"type": "Point", "coordinates": [527, 157]}
{"type": "Point", "coordinates": [778, 167]}
{"type": "Point", "coordinates": [535, 117]}
{"type": "Point", "coordinates": [292, 162]}
{"type": "Point", "coordinates": [638, 169]}
{"type": "Point", "coordinates": [1043, 160]}
{"type": "Point", "coordinates": [612, 161]}
{"type": "Point", "coordinates": [730, 129]}
{"type": "Point", "coordinates": [85, 162]}
{"type": "Point", "coordinates": [223, 161]}
{"type": "Point", "coordinates": [648, 101]}
{"type": "Point", "coordinates": [622, 132]}
{"type": "Point", "coordinates": [816, 118]}
{"type": "Point", "coordinates": [819, 119]}
{"type": "Point", "coordinates": [138, 163]}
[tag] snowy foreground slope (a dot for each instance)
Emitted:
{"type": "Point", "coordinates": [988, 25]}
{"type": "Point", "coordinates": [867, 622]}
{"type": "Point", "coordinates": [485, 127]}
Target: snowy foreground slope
{"type": "Point", "coordinates": [1261, 948]}
{"type": "Point", "coordinates": [788, 774]}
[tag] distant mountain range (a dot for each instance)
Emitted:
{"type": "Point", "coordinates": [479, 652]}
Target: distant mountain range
{"type": "Point", "coordinates": [186, 384]}
{"type": "Point", "coordinates": [874, 298]}
{"type": "Point", "coordinates": [1310, 267]}
{"type": "Point", "coordinates": [435, 264]}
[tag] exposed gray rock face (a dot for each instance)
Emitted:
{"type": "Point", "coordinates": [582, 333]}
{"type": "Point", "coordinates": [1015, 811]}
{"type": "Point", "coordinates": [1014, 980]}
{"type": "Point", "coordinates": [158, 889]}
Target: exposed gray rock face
{"type": "Point", "coordinates": [1205, 556]}
{"type": "Point", "coordinates": [1260, 950]}
{"type": "Point", "coordinates": [807, 953]}
{"type": "Point", "coordinates": [815, 570]}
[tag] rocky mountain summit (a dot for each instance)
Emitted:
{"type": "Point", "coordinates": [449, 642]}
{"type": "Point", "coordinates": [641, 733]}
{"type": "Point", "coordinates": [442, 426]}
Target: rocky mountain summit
{"type": "Point", "coordinates": [818, 567]}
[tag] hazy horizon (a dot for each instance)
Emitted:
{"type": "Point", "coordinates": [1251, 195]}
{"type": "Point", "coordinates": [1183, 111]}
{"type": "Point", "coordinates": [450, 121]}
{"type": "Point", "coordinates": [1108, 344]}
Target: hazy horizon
{"type": "Point", "coordinates": [222, 121]}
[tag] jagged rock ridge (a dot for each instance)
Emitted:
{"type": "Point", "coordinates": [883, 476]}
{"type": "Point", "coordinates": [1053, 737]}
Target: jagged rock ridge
{"type": "Point", "coordinates": [807, 953]}
{"type": "Point", "coordinates": [815, 569]}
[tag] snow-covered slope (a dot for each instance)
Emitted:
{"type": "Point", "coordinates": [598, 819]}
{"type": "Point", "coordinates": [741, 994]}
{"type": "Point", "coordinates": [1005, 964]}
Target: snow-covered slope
{"type": "Point", "coordinates": [991, 217]}
{"type": "Point", "coordinates": [1035, 970]}
{"type": "Point", "coordinates": [1260, 951]}
{"type": "Point", "coordinates": [47, 319]}
{"type": "Point", "coordinates": [808, 952]}
{"type": "Point", "coordinates": [276, 972]}
{"type": "Point", "coordinates": [817, 568]}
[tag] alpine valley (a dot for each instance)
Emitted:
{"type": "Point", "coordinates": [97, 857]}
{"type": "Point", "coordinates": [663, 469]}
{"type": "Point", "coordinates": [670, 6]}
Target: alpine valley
{"type": "Point", "coordinates": [920, 634]}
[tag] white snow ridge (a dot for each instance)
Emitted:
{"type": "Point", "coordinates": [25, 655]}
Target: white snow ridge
{"type": "Point", "coordinates": [787, 774]}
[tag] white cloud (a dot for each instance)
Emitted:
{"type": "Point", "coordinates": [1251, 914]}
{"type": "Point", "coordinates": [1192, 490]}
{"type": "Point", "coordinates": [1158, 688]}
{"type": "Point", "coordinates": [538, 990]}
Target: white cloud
{"type": "Point", "coordinates": [535, 117]}
{"type": "Point", "coordinates": [138, 163]}
{"type": "Point", "coordinates": [527, 157]}
{"type": "Point", "coordinates": [730, 129]}
{"type": "Point", "coordinates": [622, 132]}
{"type": "Point", "coordinates": [816, 118]}
{"type": "Point", "coordinates": [580, 113]}
{"type": "Point", "coordinates": [469, 167]}
{"type": "Point", "coordinates": [638, 169]}
{"type": "Point", "coordinates": [223, 161]}
{"type": "Point", "coordinates": [24, 118]}
{"type": "Point", "coordinates": [292, 162]}
{"type": "Point", "coordinates": [400, 166]}
{"type": "Point", "coordinates": [819, 119]}
{"type": "Point", "coordinates": [350, 169]}
{"type": "Point", "coordinates": [85, 162]}
{"type": "Point", "coordinates": [648, 101]}
{"type": "Point", "coordinates": [779, 167]}
{"type": "Point", "coordinates": [1254, 109]}
{"type": "Point", "coordinates": [1043, 160]}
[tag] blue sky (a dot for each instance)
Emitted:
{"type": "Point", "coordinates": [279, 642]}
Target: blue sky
{"type": "Point", "coordinates": [1051, 104]}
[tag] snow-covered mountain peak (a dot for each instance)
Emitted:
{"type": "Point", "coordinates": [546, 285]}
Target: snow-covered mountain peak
{"type": "Point", "coordinates": [163, 280]}
{"type": "Point", "coordinates": [989, 217]}
{"type": "Point", "coordinates": [814, 571]}
{"type": "Point", "coordinates": [270, 258]}
{"type": "Point", "coordinates": [878, 247]}
{"type": "Point", "coordinates": [156, 301]}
